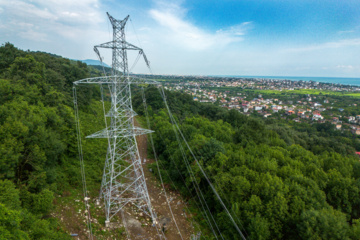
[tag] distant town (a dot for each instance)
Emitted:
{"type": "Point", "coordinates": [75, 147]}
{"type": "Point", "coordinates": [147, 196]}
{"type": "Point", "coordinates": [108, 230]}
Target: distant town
{"type": "Point", "coordinates": [300, 101]}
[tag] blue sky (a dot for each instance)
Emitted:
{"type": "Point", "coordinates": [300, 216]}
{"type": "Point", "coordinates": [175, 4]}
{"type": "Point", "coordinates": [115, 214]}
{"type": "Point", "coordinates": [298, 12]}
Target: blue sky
{"type": "Point", "coordinates": [199, 37]}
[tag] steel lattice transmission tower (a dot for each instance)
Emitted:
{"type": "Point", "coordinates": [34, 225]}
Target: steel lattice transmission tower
{"type": "Point", "coordinates": [123, 180]}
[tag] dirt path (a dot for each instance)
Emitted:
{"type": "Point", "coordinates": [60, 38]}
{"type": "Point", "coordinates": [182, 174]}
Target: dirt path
{"type": "Point", "coordinates": [158, 199]}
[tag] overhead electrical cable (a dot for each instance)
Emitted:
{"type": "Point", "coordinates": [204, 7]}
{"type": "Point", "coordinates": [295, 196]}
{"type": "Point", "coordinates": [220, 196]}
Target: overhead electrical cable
{"type": "Point", "coordinates": [192, 175]}
{"type": "Point", "coordinates": [157, 164]}
{"type": "Point", "coordinates": [202, 170]}
{"type": "Point", "coordinates": [227, 201]}
{"type": "Point", "coordinates": [204, 212]}
{"type": "Point", "coordinates": [82, 167]}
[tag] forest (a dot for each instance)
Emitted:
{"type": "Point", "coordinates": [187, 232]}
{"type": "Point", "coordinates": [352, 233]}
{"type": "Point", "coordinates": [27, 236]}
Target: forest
{"type": "Point", "coordinates": [38, 150]}
{"type": "Point", "coordinates": [280, 180]}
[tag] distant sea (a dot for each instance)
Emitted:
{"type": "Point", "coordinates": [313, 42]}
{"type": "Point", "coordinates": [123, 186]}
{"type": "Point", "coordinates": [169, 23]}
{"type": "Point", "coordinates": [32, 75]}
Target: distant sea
{"type": "Point", "coordinates": [334, 80]}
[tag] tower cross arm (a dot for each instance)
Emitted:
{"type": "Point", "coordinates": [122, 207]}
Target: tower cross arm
{"type": "Point", "coordinates": [110, 44]}
{"type": "Point", "coordinates": [121, 183]}
{"type": "Point", "coordinates": [112, 79]}
{"type": "Point", "coordinates": [124, 45]}
{"type": "Point", "coordinates": [117, 23]}
{"type": "Point", "coordinates": [141, 51]}
{"type": "Point", "coordinates": [119, 45]}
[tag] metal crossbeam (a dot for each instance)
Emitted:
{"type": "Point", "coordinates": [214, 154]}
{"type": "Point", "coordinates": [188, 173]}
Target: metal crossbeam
{"type": "Point", "coordinates": [111, 79]}
{"type": "Point", "coordinates": [123, 180]}
{"type": "Point", "coordinates": [119, 133]}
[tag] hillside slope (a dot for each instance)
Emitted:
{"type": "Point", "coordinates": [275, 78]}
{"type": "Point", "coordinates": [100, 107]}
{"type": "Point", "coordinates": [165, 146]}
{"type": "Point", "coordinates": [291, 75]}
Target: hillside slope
{"type": "Point", "coordinates": [279, 180]}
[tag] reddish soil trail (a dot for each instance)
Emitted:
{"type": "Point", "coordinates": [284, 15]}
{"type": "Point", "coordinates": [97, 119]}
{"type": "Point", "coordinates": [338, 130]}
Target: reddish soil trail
{"type": "Point", "coordinates": [158, 199]}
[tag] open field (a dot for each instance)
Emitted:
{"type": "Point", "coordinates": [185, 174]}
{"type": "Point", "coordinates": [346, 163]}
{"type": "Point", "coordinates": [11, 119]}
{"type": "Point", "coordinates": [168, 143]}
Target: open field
{"type": "Point", "coordinates": [283, 92]}
{"type": "Point", "coordinates": [313, 92]}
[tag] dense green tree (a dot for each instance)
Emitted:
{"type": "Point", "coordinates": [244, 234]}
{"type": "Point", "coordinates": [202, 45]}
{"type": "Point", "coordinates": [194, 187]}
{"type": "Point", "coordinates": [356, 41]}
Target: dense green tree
{"type": "Point", "coordinates": [10, 222]}
{"type": "Point", "coordinates": [259, 228]}
{"type": "Point", "coordinates": [323, 224]}
{"type": "Point", "coordinates": [280, 179]}
{"type": "Point", "coordinates": [37, 139]}
{"type": "Point", "coordinates": [9, 195]}
{"type": "Point", "coordinates": [8, 53]}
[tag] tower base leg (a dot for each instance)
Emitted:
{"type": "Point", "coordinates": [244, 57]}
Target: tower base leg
{"type": "Point", "coordinates": [107, 223]}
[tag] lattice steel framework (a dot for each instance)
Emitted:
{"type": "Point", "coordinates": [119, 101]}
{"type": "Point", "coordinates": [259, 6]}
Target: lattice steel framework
{"type": "Point", "coordinates": [123, 180]}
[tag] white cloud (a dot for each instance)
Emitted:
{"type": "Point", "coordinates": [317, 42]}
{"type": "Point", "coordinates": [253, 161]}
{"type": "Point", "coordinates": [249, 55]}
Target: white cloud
{"type": "Point", "coordinates": [67, 27]}
{"type": "Point", "coordinates": [173, 43]}
{"type": "Point", "coordinates": [328, 45]}
{"type": "Point", "coordinates": [345, 67]}
{"type": "Point", "coordinates": [183, 33]}
{"type": "Point", "coordinates": [81, 11]}
{"type": "Point", "coordinates": [145, 29]}
{"type": "Point", "coordinates": [345, 32]}
{"type": "Point", "coordinates": [237, 30]}
{"type": "Point", "coordinates": [43, 18]}
{"type": "Point", "coordinates": [30, 34]}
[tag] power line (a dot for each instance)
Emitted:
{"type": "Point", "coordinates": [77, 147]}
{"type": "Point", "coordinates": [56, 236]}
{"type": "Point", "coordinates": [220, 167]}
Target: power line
{"type": "Point", "coordinates": [157, 164]}
{"type": "Point", "coordinates": [82, 167]}
{"type": "Point", "coordinates": [123, 180]}
{"type": "Point", "coordinates": [196, 186]}
{"type": "Point", "coordinates": [203, 172]}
